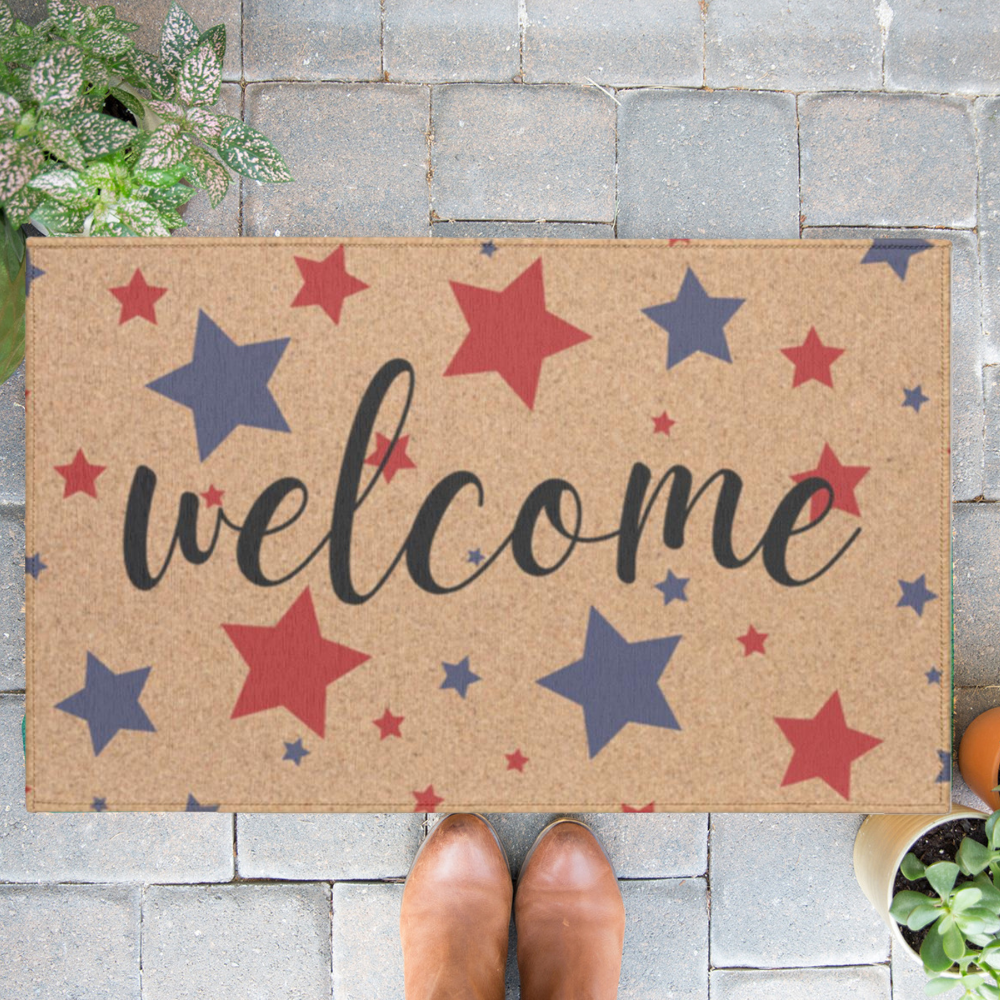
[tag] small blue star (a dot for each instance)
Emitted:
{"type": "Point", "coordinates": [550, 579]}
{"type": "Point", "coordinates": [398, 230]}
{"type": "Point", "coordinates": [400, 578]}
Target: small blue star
{"type": "Point", "coordinates": [489, 248]}
{"type": "Point", "coordinates": [295, 751]}
{"type": "Point", "coordinates": [914, 398]}
{"type": "Point", "coordinates": [944, 758]}
{"type": "Point", "coordinates": [672, 588]}
{"type": "Point", "coordinates": [915, 595]}
{"type": "Point", "coordinates": [895, 253]}
{"type": "Point", "coordinates": [933, 676]}
{"type": "Point", "coordinates": [459, 676]}
{"type": "Point", "coordinates": [99, 805]}
{"type": "Point", "coordinates": [31, 273]}
{"type": "Point", "coordinates": [194, 806]}
{"type": "Point", "coordinates": [34, 565]}
{"type": "Point", "coordinates": [475, 556]}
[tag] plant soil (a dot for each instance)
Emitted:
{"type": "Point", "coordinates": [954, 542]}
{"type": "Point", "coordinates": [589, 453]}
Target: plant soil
{"type": "Point", "coordinates": [940, 844]}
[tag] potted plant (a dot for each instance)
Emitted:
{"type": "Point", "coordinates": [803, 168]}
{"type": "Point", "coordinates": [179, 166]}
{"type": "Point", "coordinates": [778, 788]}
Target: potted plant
{"type": "Point", "coordinates": [99, 138]}
{"type": "Point", "coordinates": [979, 756]}
{"type": "Point", "coordinates": [935, 880]}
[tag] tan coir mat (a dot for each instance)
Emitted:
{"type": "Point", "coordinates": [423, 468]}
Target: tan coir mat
{"type": "Point", "coordinates": [519, 525]}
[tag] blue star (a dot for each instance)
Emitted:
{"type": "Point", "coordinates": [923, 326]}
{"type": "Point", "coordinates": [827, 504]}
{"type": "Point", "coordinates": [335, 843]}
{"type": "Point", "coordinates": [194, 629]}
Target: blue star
{"type": "Point", "coordinates": [488, 248]}
{"type": "Point", "coordinates": [933, 676]}
{"type": "Point", "coordinates": [109, 702]}
{"type": "Point", "coordinates": [915, 595]}
{"type": "Point", "coordinates": [225, 385]}
{"type": "Point", "coordinates": [616, 682]}
{"type": "Point", "coordinates": [30, 272]}
{"type": "Point", "coordinates": [944, 759]}
{"type": "Point", "coordinates": [295, 751]}
{"type": "Point", "coordinates": [914, 398]}
{"type": "Point", "coordinates": [695, 321]}
{"type": "Point", "coordinates": [194, 806]}
{"type": "Point", "coordinates": [895, 253]}
{"type": "Point", "coordinates": [673, 588]}
{"type": "Point", "coordinates": [459, 676]}
{"type": "Point", "coordinates": [475, 557]}
{"type": "Point", "coordinates": [99, 805]}
{"type": "Point", "coordinates": [34, 565]}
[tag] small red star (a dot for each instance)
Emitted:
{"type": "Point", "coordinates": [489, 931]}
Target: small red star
{"type": "Point", "coordinates": [427, 801]}
{"type": "Point", "coordinates": [213, 497]}
{"type": "Point", "coordinates": [137, 298]}
{"type": "Point", "coordinates": [662, 424]}
{"type": "Point", "coordinates": [388, 724]}
{"type": "Point", "coordinates": [397, 460]}
{"type": "Point", "coordinates": [670, 243]}
{"type": "Point", "coordinates": [516, 760]}
{"type": "Point", "coordinates": [824, 747]}
{"type": "Point", "coordinates": [753, 641]}
{"type": "Point", "coordinates": [843, 479]}
{"type": "Point", "coordinates": [647, 808]}
{"type": "Point", "coordinates": [327, 283]}
{"type": "Point", "coordinates": [80, 476]}
{"type": "Point", "coordinates": [812, 360]}
{"type": "Point", "coordinates": [26, 392]}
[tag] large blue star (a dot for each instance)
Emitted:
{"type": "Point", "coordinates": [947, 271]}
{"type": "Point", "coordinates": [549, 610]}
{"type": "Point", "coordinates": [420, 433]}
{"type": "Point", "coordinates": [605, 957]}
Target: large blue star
{"type": "Point", "coordinates": [109, 702]}
{"type": "Point", "coordinates": [895, 253]}
{"type": "Point", "coordinates": [34, 565]}
{"type": "Point", "coordinates": [672, 587]}
{"type": "Point", "coordinates": [616, 682]}
{"type": "Point", "coordinates": [915, 595]}
{"type": "Point", "coordinates": [225, 385]}
{"type": "Point", "coordinates": [695, 321]}
{"type": "Point", "coordinates": [459, 676]}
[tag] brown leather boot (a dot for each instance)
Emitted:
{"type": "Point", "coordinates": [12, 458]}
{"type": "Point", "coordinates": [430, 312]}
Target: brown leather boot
{"type": "Point", "coordinates": [455, 913]}
{"type": "Point", "coordinates": [570, 917]}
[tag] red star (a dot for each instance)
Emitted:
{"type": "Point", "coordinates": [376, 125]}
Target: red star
{"type": "Point", "coordinates": [327, 283]}
{"type": "Point", "coordinates": [80, 476]}
{"type": "Point", "coordinates": [812, 360]}
{"type": "Point", "coordinates": [753, 641]}
{"type": "Point", "coordinates": [137, 298]}
{"type": "Point", "coordinates": [824, 747]}
{"type": "Point", "coordinates": [662, 424]}
{"type": "Point", "coordinates": [291, 664]}
{"type": "Point", "coordinates": [213, 497]}
{"type": "Point", "coordinates": [397, 460]}
{"type": "Point", "coordinates": [511, 332]}
{"type": "Point", "coordinates": [843, 479]}
{"type": "Point", "coordinates": [647, 808]}
{"type": "Point", "coordinates": [388, 724]}
{"type": "Point", "coordinates": [427, 801]}
{"type": "Point", "coordinates": [26, 392]}
{"type": "Point", "coordinates": [670, 243]}
{"type": "Point", "coordinates": [516, 760]}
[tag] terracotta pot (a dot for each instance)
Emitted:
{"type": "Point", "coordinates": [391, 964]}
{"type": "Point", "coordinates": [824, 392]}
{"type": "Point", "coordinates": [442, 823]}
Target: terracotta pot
{"type": "Point", "coordinates": [979, 756]}
{"type": "Point", "coordinates": [882, 843]}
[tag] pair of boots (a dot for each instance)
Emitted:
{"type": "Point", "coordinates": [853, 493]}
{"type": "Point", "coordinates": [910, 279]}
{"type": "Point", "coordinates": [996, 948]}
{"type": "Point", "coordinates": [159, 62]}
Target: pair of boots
{"type": "Point", "coordinates": [455, 915]}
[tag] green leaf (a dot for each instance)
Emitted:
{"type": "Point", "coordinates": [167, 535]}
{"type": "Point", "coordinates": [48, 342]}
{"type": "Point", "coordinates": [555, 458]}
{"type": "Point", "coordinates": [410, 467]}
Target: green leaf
{"type": "Point", "coordinates": [942, 877]}
{"type": "Point", "coordinates": [912, 867]}
{"type": "Point", "coordinates": [179, 35]}
{"type": "Point", "coordinates": [167, 199]}
{"type": "Point", "coordinates": [973, 857]}
{"type": "Point", "coordinates": [10, 110]}
{"type": "Point", "coordinates": [149, 72]}
{"type": "Point", "coordinates": [60, 142]}
{"type": "Point", "coordinates": [68, 15]}
{"type": "Point", "coordinates": [209, 174]}
{"type": "Point", "coordinates": [921, 916]}
{"type": "Point", "coordinates": [96, 75]}
{"type": "Point", "coordinates": [142, 217]}
{"type": "Point", "coordinates": [6, 17]}
{"type": "Point", "coordinates": [932, 952]}
{"type": "Point", "coordinates": [106, 15]}
{"type": "Point", "coordinates": [966, 897]}
{"type": "Point", "coordinates": [107, 43]}
{"type": "Point", "coordinates": [99, 133]}
{"type": "Point", "coordinates": [216, 37]}
{"type": "Point", "coordinates": [131, 101]}
{"type": "Point", "coordinates": [250, 153]}
{"type": "Point", "coordinates": [60, 220]}
{"type": "Point", "coordinates": [57, 78]}
{"type": "Point", "coordinates": [905, 902]}
{"type": "Point", "coordinates": [18, 163]}
{"type": "Point", "coordinates": [204, 125]}
{"type": "Point", "coordinates": [157, 178]}
{"type": "Point", "coordinates": [21, 204]}
{"type": "Point", "coordinates": [66, 186]}
{"type": "Point", "coordinates": [12, 301]}
{"type": "Point", "coordinates": [954, 943]}
{"type": "Point", "coordinates": [21, 48]}
{"type": "Point", "coordinates": [992, 832]}
{"type": "Point", "coordinates": [111, 226]}
{"type": "Point", "coordinates": [167, 110]}
{"type": "Point", "coordinates": [200, 76]}
{"type": "Point", "coordinates": [166, 146]}
{"type": "Point", "coordinates": [940, 984]}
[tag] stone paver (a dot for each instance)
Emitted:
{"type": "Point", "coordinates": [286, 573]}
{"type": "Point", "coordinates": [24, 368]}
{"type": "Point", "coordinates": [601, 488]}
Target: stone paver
{"type": "Point", "coordinates": [12, 414]}
{"type": "Point", "coordinates": [970, 702]}
{"type": "Point", "coordinates": [784, 893]}
{"type": "Point", "coordinates": [62, 942]}
{"type": "Point", "coordinates": [949, 47]}
{"type": "Point", "coordinates": [613, 43]}
{"type": "Point", "coordinates": [908, 977]}
{"type": "Point", "coordinates": [991, 436]}
{"type": "Point", "coordinates": [312, 40]}
{"type": "Point", "coordinates": [100, 846]}
{"type": "Point", "coordinates": [433, 41]}
{"type": "Point", "coordinates": [236, 941]}
{"type": "Point", "coordinates": [887, 160]}
{"type": "Point", "coordinates": [967, 347]}
{"type": "Point", "coordinates": [975, 550]}
{"type": "Point", "coordinates": [529, 230]}
{"type": "Point", "coordinates": [331, 846]}
{"type": "Point", "coordinates": [367, 953]}
{"type": "Point", "coordinates": [707, 165]}
{"type": "Point", "coordinates": [988, 131]}
{"type": "Point", "coordinates": [358, 153]}
{"type": "Point", "coordinates": [776, 45]}
{"type": "Point", "coordinates": [503, 151]}
{"type": "Point", "coordinates": [12, 584]}
{"type": "Point", "coordinates": [861, 982]}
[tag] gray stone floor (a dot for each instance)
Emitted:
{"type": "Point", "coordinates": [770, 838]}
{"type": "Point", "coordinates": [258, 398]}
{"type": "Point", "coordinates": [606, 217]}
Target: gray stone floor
{"type": "Point", "coordinates": [604, 118]}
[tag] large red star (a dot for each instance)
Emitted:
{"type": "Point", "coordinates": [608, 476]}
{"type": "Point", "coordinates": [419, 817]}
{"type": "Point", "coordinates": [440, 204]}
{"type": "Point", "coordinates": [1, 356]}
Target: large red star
{"type": "Point", "coordinates": [647, 808]}
{"type": "Point", "coordinates": [388, 724]}
{"type": "Point", "coordinates": [397, 460]}
{"type": "Point", "coordinates": [427, 801]}
{"type": "Point", "coordinates": [843, 479]}
{"type": "Point", "coordinates": [753, 641]}
{"type": "Point", "coordinates": [327, 283]}
{"type": "Point", "coordinates": [137, 298]}
{"type": "Point", "coordinates": [80, 476]}
{"type": "Point", "coordinates": [511, 332]}
{"type": "Point", "coordinates": [662, 424]}
{"type": "Point", "coordinates": [812, 360]}
{"type": "Point", "coordinates": [213, 497]}
{"type": "Point", "coordinates": [516, 760]}
{"type": "Point", "coordinates": [291, 664]}
{"type": "Point", "coordinates": [824, 747]}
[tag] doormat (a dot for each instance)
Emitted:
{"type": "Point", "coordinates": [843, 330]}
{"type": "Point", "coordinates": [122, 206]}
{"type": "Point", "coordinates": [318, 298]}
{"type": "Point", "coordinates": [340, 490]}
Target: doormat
{"type": "Point", "coordinates": [388, 525]}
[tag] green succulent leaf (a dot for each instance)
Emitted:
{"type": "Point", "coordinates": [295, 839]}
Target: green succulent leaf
{"type": "Point", "coordinates": [921, 916]}
{"type": "Point", "coordinates": [932, 952]}
{"type": "Point", "coordinates": [6, 17]}
{"type": "Point", "coordinates": [179, 35]}
{"type": "Point", "coordinates": [966, 897]}
{"type": "Point", "coordinates": [209, 174]}
{"type": "Point", "coordinates": [99, 133]}
{"type": "Point", "coordinates": [200, 76]}
{"type": "Point", "coordinates": [978, 920]}
{"type": "Point", "coordinates": [938, 985]}
{"type": "Point", "coordinates": [18, 163]}
{"type": "Point", "coordinates": [953, 943]}
{"type": "Point", "coordinates": [142, 217]}
{"type": "Point", "coordinates": [68, 15]}
{"type": "Point", "coordinates": [204, 125]}
{"type": "Point", "coordinates": [973, 857]}
{"type": "Point", "coordinates": [60, 220]}
{"type": "Point", "coordinates": [992, 832]}
{"type": "Point", "coordinates": [912, 867]}
{"type": "Point", "coordinates": [57, 78]}
{"type": "Point", "coordinates": [250, 152]}
{"type": "Point", "coordinates": [21, 204]}
{"type": "Point", "coordinates": [60, 142]}
{"type": "Point", "coordinates": [216, 37]}
{"type": "Point", "coordinates": [166, 146]}
{"type": "Point", "coordinates": [941, 876]}
{"type": "Point", "coordinates": [66, 186]}
{"type": "Point", "coordinates": [10, 109]}
{"type": "Point", "coordinates": [905, 902]}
